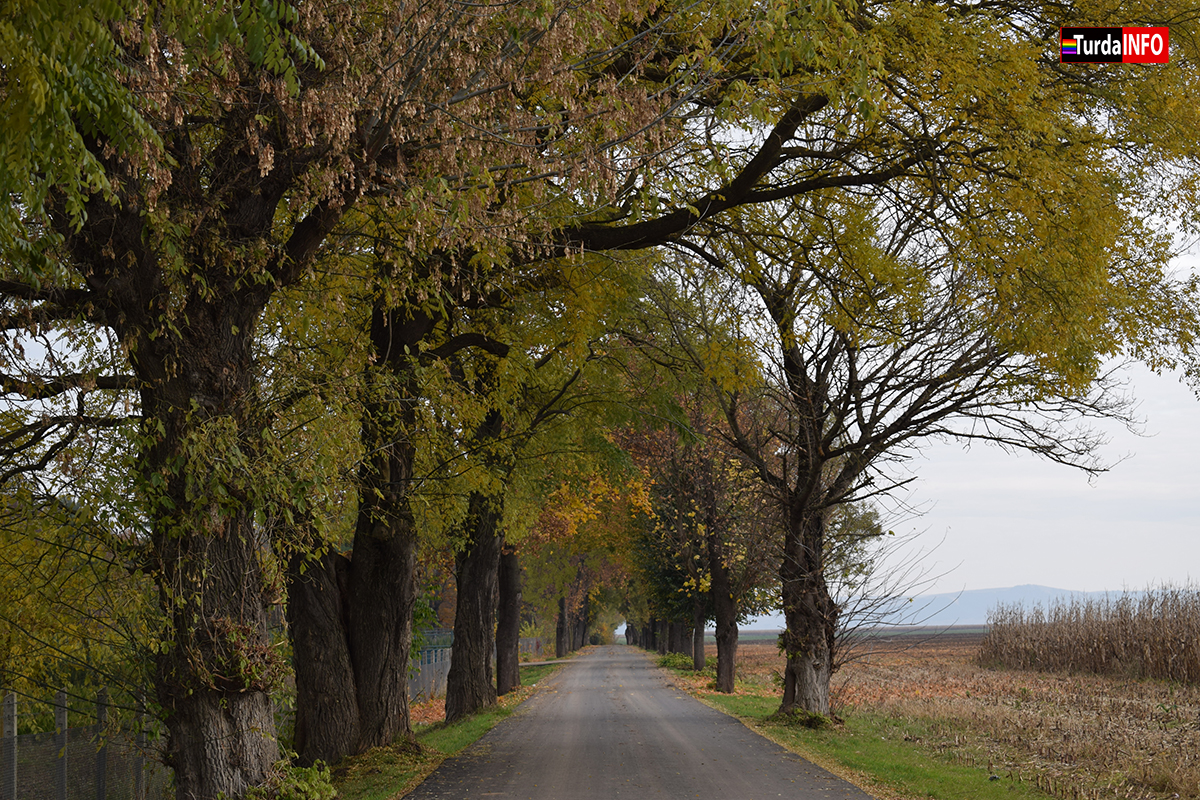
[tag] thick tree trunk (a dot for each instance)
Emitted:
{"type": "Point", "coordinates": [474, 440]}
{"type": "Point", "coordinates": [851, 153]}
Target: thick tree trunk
{"type": "Point", "coordinates": [383, 585]}
{"type": "Point", "coordinates": [212, 562]}
{"type": "Point", "coordinates": [383, 591]}
{"type": "Point", "coordinates": [698, 620]}
{"type": "Point", "coordinates": [508, 623]}
{"type": "Point", "coordinates": [650, 639]}
{"type": "Point", "coordinates": [725, 610]}
{"type": "Point", "coordinates": [469, 686]}
{"type": "Point", "coordinates": [327, 724]}
{"type": "Point", "coordinates": [581, 624]}
{"type": "Point", "coordinates": [213, 680]}
{"type": "Point", "coordinates": [379, 583]}
{"type": "Point", "coordinates": [560, 630]}
{"type": "Point", "coordinates": [681, 635]}
{"type": "Point", "coordinates": [811, 617]}
{"type": "Point", "coordinates": [662, 637]}
{"type": "Point", "coordinates": [674, 639]}
{"type": "Point", "coordinates": [351, 628]}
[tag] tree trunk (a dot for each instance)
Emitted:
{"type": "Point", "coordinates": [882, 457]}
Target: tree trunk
{"type": "Point", "coordinates": [650, 639]}
{"type": "Point", "coordinates": [560, 630]}
{"type": "Point", "coordinates": [383, 591]}
{"type": "Point", "coordinates": [811, 617]}
{"type": "Point", "coordinates": [662, 637]}
{"type": "Point", "coordinates": [212, 562]}
{"type": "Point", "coordinates": [581, 624]}
{"type": "Point", "coordinates": [351, 629]}
{"type": "Point", "coordinates": [375, 621]}
{"type": "Point", "coordinates": [469, 686]}
{"type": "Point", "coordinates": [383, 585]}
{"type": "Point", "coordinates": [213, 680]}
{"type": "Point", "coordinates": [508, 623]}
{"type": "Point", "coordinates": [698, 620]}
{"type": "Point", "coordinates": [327, 723]}
{"type": "Point", "coordinates": [725, 611]}
{"type": "Point", "coordinates": [673, 638]}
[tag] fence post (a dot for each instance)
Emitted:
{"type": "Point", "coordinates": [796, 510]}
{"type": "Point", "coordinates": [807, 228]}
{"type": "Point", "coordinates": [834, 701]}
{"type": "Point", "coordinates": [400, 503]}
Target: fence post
{"type": "Point", "coordinates": [102, 741]}
{"type": "Point", "coordinates": [60, 742]}
{"type": "Point", "coordinates": [8, 753]}
{"type": "Point", "coordinates": [139, 751]}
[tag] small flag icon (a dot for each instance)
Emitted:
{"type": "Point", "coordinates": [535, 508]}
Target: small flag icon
{"type": "Point", "coordinates": [1070, 47]}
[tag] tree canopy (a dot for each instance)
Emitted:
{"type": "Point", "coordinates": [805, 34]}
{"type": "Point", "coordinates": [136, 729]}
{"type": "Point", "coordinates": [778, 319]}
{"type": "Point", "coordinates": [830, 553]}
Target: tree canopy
{"type": "Point", "coordinates": [281, 266]}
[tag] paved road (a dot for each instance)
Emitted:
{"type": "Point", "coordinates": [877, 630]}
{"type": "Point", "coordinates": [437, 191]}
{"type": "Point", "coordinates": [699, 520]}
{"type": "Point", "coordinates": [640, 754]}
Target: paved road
{"type": "Point", "coordinates": [610, 724]}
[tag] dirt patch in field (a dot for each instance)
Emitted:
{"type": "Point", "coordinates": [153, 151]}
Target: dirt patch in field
{"type": "Point", "coordinates": [1077, 736]}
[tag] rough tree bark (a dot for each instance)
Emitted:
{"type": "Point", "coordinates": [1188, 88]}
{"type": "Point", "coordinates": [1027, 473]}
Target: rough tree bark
{"type": "Point", "coordinates": [327, 723]}
{"type": "Point", "coordinates": [383, 591]}
{"type": "Point", "coordinates": [725, 611]}
{"type": "Point", "coordinates": [579, 637]}
{"type": "Point", "coordinates": [469, 686]}
{"type": "Point", "coordinates": [810, 613]}
{"type": "Point", "coordinates": [508, 623]}
{"type": "Point", "coordinates": [219, 714]}
{"type": "Point", "coordinates": [698, 620]}
{"type": "Point", "coordinates": [560, 630]}
{"type": "Point", "coordinates": [211, 562]}
{"type": "Point", "coordinates": [351, 704]}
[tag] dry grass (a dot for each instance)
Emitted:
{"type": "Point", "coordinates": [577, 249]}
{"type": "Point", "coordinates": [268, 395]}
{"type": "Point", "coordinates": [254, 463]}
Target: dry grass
{"type": "Point", "coordinates": [1153, 635]}
{"type": "Point", "coordinates": [1076, 736]}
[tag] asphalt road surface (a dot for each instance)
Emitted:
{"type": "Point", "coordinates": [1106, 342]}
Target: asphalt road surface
{"type": "Point", "coordinates": [610, 725]}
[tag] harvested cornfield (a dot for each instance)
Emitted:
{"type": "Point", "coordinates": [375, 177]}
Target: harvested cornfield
{"type": "Point", "coordinates": [1155, 634]}
{"type": "Point", "coordinates": [1075, 736]}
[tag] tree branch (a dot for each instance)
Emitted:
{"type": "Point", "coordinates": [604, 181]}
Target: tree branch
{"type": "Point", "coordinates": [43, 390]}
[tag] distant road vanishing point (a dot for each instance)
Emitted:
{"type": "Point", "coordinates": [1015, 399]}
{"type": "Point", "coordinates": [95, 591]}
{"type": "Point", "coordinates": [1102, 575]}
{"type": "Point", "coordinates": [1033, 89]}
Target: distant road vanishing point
{"type": "Point", "coordinates": [609, 724]}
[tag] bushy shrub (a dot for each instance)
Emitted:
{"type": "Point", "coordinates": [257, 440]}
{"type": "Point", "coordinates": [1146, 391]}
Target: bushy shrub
{"type": "Point", "coordinates": [288, 782]}
{"type": "Point", "coordinates": [675, 661]}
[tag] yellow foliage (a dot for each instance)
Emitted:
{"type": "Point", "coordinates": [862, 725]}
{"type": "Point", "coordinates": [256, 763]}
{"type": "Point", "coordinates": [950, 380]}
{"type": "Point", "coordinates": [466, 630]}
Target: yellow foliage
{"type": "Point", "coordinates": [71, 612]}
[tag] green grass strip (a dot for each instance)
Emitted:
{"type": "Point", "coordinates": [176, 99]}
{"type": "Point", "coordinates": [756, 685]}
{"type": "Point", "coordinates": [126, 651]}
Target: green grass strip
{"type": "Point", "coordinates": [390, 772]}
{"type": "Point", "coordinates": [885, 754]}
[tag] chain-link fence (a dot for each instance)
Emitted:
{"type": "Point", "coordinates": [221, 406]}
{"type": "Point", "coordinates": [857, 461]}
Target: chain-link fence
{"type": "Point", "coordinates": [103, 760]}
{"type": "Point", "coordinates": [430, 670]}
{"type": "Point", "coordinates": [111, 757]}
{"type": "Point", "coordinates": [532, 647]}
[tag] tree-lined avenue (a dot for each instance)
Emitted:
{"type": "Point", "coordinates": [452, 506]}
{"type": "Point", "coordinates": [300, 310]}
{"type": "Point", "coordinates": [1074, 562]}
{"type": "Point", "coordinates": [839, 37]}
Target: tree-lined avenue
{"type": "Point", "coordinates": [609, 725]}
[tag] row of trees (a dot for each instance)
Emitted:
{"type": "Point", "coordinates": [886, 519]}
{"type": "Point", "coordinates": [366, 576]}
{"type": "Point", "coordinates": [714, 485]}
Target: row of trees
{"type": "Point", "coordinates": [292, 292]}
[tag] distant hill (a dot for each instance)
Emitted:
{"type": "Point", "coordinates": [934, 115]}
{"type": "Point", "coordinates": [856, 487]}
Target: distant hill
{"type": "Point", "coordinates": [965, 608]}
{"type": "Point", "coordinates": [971, 607]}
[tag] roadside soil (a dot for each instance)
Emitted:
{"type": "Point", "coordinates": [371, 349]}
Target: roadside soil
{"type": "Point", "coordinates": [1076, 736]}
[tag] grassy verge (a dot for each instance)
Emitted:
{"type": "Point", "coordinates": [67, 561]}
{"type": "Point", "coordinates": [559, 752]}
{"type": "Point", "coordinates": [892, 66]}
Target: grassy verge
{"type": "Point", "coordinates": [391, 772]}
{"type": "Point", "coordinates": [888, 757]}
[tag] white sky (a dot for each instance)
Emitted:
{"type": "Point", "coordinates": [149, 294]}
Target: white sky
{"type": "Point", "coordinates": [994, 519]}
{"type": "Point", "coordinates": [1009, 520]}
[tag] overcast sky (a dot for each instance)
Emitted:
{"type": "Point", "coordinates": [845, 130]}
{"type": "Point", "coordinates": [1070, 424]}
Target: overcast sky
{"type": "Point", "coordinates": [994, 519]}
{"type": "Point", "coordinates": [1006, 520]}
